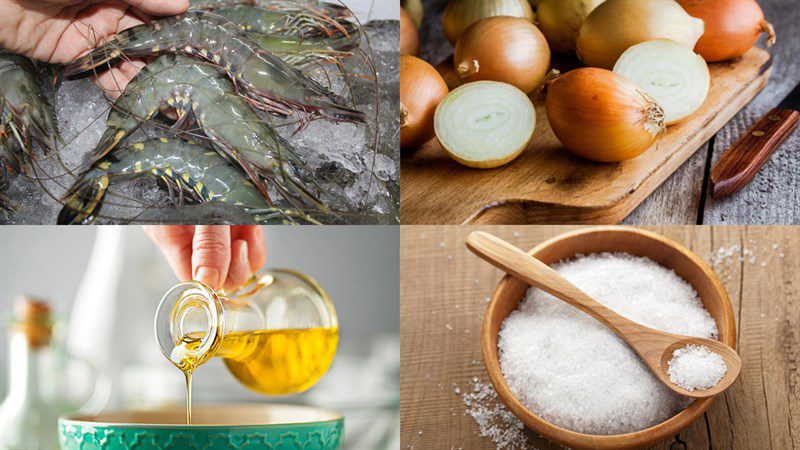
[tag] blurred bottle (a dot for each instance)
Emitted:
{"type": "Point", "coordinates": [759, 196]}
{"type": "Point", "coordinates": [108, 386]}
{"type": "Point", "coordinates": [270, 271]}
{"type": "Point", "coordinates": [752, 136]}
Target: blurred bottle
{"type": "Point", "coordinates": [30, 412]}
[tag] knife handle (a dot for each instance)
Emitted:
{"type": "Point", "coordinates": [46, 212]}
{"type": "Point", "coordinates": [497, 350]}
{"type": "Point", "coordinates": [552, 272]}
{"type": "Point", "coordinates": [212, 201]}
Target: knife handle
{"type": "Point", "coordinates": [744, 159]}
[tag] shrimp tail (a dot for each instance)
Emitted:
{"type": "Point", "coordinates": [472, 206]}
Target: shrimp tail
{"type": "Point", "coordinates": [83, 200]}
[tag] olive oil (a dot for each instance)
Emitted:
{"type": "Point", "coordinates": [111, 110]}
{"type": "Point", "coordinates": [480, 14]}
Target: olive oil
{"type": "Point", "coordinates": [274, 362]}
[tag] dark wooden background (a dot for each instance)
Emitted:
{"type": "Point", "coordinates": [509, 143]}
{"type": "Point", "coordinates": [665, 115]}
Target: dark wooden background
{"type": "Point", "coordinates": [773, 197]}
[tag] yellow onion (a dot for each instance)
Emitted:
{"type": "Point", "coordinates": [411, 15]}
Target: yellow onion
{"type": "Point", "coordinates": [460, 14]}
{"type": "Point", "coordinates": [507, 49]}
{"type": "Point", "coordinates": [561, 20]}
{"type": "Point", "coordinates": [448, 72]}
{"type": "Point", "coordinates": [732, 27]}
{"type": "Point", "coordinates": [415, 10]}
{"type": "Point", "coordinates": [601, 116]}
{"type": "Point", "coordinates": [421, 91]}
{"type": "Point", "coordinates": [485, 124]}
{"type": "Point", "coordinates": [409, 38]}
{"type": "Point", "coordinates": [616, 25]}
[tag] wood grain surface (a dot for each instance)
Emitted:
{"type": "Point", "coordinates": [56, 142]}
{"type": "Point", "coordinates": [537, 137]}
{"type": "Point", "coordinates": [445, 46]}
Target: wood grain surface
{"type": "Point", "coordinates": [444, 289]}
{"type": "Point", "coordinates": [684, 198]}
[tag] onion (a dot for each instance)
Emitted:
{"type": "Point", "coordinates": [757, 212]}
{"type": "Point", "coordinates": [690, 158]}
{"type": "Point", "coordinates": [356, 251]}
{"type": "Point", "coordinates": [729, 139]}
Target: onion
{"type": "Point", "coordinates": [732, 27]}
{"type": "Point", "coordinates": [561, 20]}
{"type": "Point", "coordinates": [460, 14]}
{"type": "Point", "coordinates": [507, 49]}
{"type": "Point", "coordinates": [616, 25]}
{"type": "Point", "coordinates": [485, 124]}
{"type": "Point", "coordinates": [601, 116]}
{"type": "Point", "coordinates": [421, 90]}
{"type": "Point", "coordinates": [448, 72]}
{"type": "Point", "coordinates": [415, 10]}
{"type": "Point", "coordinates": [409, 37]}
{"type": "Point", "coordinates": [674, 75]}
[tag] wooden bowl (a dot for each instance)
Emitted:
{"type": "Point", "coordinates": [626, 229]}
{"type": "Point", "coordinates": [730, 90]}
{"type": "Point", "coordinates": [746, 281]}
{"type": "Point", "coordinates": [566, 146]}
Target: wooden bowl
{"type": "Point", "coordinates": [686, 264]}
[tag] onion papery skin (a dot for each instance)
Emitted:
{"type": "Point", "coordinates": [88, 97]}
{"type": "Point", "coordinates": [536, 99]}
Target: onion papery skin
{"type": "Point", "coordinates": [460, 14]}
{"type": "Point", "coordinates": [415, 10]}
{"type": "Point", "coordinates": [409, 37]}
{"type": "Point", "coordinates": [561, 20]}
{"type": "Point", "coordinates": [491, 135]}
{"type": "Point", "coordinates": [421, 91]}
{"type": "Point", "coordinates": [732, 27]}
{"type": "Point", "coordinates": [506, 49]}
{"type": "Point", "coordinates": [601, 116]}
{"type": "Point", "coordinates": [675, 76]}
{"type": "Point", "coordinates": [616, 25]}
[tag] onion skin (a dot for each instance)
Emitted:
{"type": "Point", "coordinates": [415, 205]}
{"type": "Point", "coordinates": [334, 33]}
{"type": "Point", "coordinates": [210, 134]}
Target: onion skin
{"type": "Point", "coordinates": [507, 49]}
{"type": "Point", "coordinates": [732, 27]}
{"type": "Point", "coordinates": [415, 11]}
{"type": "Point", "coordinates": [601, 116]}
{"type": "Point", "coordinates": [421, 91]}
{"type": "Point", "coordinates": [409, 37]}
{"type": "Point", "coordinates": [447, 70]}
{"type": "Point", "coordinates": [616, 25]}
{"type": "Point", "coordinates": [561, 20]}
{"type": "Point", "coordinates": [460, 14]}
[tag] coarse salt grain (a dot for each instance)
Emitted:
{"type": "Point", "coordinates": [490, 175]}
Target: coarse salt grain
{"type": "Point", "coordinates": [696, 367]}
{"type": "Point", "coordinates": [494, 420]}
{"type": "Point", "coordinates": [573, 371]}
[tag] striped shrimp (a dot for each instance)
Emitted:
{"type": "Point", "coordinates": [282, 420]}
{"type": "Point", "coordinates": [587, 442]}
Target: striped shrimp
{"type": "Point", "coordinates": [185, 166]}
{"type": "Point", "coordinates": [226, 119]}
{"type": "Point", "coordinates": [267, 81]}
{"type": "Point", "coordinates": [328, 9]}
{"type": "Point", "coordinates": [303, 21]}
{"type": "Point", "coordinates": [25, 114]}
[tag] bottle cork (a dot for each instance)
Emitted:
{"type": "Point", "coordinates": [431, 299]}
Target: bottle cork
{"type": "Point", "coordinates": [32, 318]}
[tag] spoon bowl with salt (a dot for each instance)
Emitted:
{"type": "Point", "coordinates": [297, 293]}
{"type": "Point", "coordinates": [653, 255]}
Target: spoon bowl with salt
{"type": "Point", "coordinates": [693, 367]}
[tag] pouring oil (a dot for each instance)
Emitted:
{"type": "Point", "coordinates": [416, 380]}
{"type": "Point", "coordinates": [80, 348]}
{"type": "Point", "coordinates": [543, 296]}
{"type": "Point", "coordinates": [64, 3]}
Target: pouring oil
{"type": "Point", "coordinates": [274, 362]}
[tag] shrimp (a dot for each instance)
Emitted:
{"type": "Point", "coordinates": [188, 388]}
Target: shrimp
{"type": "Point", "coordinates": [233, 128]}
{"type": "Point", "coordinates": [302, 22]}
{"type": "Point", "coordinates": [331, 10]}
{"type": "Point", "coordinates": [25, 114]}
{"type": "Point", "coordinates": [302, 52]}
{"type": "Point", "coordinates": [203, 173]}
{"type": "Point", "coordinates": [267, 81]}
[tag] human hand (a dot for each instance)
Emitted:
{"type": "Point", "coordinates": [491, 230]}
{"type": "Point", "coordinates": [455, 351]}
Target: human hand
{"type": "Point", "coordinates": [218, 255]}
{"type": "Point", "coordinates": [58, 31]}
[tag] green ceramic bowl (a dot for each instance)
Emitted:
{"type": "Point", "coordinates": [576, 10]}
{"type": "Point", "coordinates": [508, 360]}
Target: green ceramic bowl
{"type": "Point", "coordinates": [214, 427]}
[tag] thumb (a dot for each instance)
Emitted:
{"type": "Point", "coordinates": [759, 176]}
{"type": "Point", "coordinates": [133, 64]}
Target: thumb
{"type": "Point", "coordinates": [211, 254]}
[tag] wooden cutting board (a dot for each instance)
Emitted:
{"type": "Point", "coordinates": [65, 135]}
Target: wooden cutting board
{"type": "Point", "coordinates": [548, 184]}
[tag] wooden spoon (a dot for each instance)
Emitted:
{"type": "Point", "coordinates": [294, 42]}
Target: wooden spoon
{"type": "Point", "coordinates": [654, 347]}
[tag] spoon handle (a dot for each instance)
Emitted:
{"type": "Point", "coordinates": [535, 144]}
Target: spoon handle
{"type": "Point", "coordinates": [514, 261]}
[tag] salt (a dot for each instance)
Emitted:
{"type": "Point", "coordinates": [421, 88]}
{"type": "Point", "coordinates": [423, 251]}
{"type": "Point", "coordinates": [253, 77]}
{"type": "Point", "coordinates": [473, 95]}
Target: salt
{"type": "Point", "coordinates": [696, 367]}
{"type": "Point", "coordinates": [576, 373]}
{"type": "Point", "coordinates": [494, 420]}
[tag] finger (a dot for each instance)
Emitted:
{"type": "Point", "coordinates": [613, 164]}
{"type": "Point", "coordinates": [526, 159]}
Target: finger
{"type": "Point", "coordinates": [239, 271]}
{"type": "Point", "coordinates": [211, 254]}
{"type": "Point", "coordinates": [254, 235]}
{"type": "Point", "coordinates": [175, 242]}
{"type": "Point", "coordinates": [160, 7]}
{"type": "Point", "coordinates": [114, 81]}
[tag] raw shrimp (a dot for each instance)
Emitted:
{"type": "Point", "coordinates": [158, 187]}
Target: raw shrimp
{"type": "Point", "coordinates": [267, 81]}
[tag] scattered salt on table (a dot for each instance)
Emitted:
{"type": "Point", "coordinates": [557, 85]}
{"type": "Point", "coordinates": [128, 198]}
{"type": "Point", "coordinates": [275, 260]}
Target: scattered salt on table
{"type": "Point", "coordinates": [573, 371]}
{"type": "Point", "coordinates": [696, 367]}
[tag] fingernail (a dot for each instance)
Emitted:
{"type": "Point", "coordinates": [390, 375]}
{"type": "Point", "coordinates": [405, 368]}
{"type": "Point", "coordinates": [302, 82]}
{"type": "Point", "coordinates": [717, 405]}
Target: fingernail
{"type": "Point", "coordinates": [243, 252]}
{"type": "Point", "coordinates": [209, 276]}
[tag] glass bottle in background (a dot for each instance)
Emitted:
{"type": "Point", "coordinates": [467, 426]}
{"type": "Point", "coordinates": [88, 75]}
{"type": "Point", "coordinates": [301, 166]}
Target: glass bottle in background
{"type": "Point", "coordinates": [31, 409]}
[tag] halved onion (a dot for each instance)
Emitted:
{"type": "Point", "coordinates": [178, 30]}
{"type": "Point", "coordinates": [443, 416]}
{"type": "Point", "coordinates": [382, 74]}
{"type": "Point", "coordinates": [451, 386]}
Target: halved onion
{"type": "Point", "coordinates": [616, 25]}
{"type": "Point", "coordinates": [485, 124]}
{"type": "Point", "coordinates": [674, 75]}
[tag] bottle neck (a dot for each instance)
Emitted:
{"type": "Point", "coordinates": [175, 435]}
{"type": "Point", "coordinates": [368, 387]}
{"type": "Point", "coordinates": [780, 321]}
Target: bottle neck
{"type": "Point", "coordinates": [24, 375]}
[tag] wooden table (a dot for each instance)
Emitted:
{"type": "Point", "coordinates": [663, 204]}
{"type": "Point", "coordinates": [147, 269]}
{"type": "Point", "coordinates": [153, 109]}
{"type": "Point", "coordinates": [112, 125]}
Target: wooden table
{"type": "Point", "coordinates": [771, 198]}
{"type": "Point", "coordinates": [443, 290]}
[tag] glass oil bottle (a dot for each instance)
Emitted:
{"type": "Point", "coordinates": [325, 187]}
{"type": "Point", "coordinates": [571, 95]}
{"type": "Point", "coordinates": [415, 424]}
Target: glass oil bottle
{"type": "Point", "coordinates": [277, 334]}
